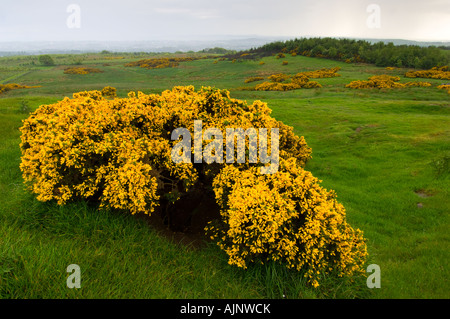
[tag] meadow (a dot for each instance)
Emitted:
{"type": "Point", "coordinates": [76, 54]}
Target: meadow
{"type": "Point", "coordinates": [385, 152]}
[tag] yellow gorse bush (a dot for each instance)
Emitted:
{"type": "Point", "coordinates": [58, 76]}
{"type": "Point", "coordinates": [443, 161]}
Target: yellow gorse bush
{"type": "Point", "coordinates": [118, 151]}
{"type": "Point", "coordinates": [159, 63]}
{"type": "Point", "coordinates": [14, 86]}
{"type": "Point", "coordinates": [442, 73]}
{"type": "Point", "coordinates": [285, 82]}
{"type": "Point", "coordinates": [384, 82]}
{"type": "Point", "coordinates": [445, 87]}
{"type": "Point", "coordinates": [285, 217]}
{"type": "Point", "coordinates": [279, 77]}
{"type": "Point", "coordinates": [109, 91]}
{"type": "Point", "coordinates": [81, 70]}
{"type": "Point", "coordinates": [322, 73]}
{"type": "Point", "coordinates": [280, 82]}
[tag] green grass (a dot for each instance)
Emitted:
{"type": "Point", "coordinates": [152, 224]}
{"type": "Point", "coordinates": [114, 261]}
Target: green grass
{"type": "Point", "coordinates": [375, 148]}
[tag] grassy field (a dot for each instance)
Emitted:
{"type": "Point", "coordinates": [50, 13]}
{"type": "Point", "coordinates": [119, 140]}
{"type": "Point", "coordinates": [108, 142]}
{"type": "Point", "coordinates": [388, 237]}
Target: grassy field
{"type": "Point", "coordinates": [385, 152]}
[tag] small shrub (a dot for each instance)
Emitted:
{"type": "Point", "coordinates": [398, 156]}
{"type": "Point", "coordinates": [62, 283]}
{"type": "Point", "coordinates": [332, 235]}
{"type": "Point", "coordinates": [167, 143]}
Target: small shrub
{"type": "Point", "coordinates": [14, 86]}
{"type": "Point", "coordinates": [444, 87]}
{"type": "Point", "coordinates": [384, 82]}
{"type": "Point", "coordinates": [322, 73]}
{"type": "Point", "coordinates": [46, 60]}
{"type": "Point", "coordinates": [159, 63]}
{"type": "Point", "coordinates": [81, 70]}
{"type": "Point", "coordinates": [109, 91]}
{"type": "Point", "coordinates": [279, 77]}
{"type": "Point", "coordinates": [279, 82]}
{"type": "Point", "coordinates": [442, 73]}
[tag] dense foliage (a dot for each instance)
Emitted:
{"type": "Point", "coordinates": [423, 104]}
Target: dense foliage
{"type": "Point", "coordinates": [380, 53]}
{"type": "Point", "coordinates": [287, 217]}
{"type": "Point", "coordinates": [117, 151]}
{"type": "Point", "coordinates": [46, 60]}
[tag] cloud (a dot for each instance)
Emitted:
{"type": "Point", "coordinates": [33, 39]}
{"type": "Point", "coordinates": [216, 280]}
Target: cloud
{"type": "Point", "coordinates": [196, 14]}
{"type": "Point", "coordinates": [139, 20]}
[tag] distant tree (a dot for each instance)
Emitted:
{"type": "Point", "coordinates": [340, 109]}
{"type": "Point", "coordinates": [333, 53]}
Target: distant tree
{"type": "Point", "coordinates": [46, 60]}
{"type": "Point", "coordinates": [332, 52]}
{"type": "Point", "coordinates": [379, 53]}
{"type": "Point", "coordinates": [216, 50]}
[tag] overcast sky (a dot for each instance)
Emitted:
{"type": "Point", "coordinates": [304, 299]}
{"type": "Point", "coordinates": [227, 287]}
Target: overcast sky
{"type": "Point", "coordinates": [47, 20]}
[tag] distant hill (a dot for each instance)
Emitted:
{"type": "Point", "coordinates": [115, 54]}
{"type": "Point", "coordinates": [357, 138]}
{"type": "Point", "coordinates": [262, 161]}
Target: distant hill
{"type": "Point", "coordinates": [59, 47]}
{"type": "Point", "coordinates": [237, 43]}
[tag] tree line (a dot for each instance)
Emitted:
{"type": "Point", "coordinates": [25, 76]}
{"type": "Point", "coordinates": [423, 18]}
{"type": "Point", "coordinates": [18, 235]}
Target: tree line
{"type": "Point", "coordinates": [348, 50]}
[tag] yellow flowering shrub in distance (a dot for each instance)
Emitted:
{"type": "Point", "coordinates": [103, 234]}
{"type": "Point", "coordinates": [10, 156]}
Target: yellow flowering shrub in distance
{"type": "Point", "coordinates": [279, 83]}
{"type": "Point", "coordinates": [286, 217]}
{"type": "Point", "coordinates": [384, 82]}
{"type": "Point", "coordinates": [109, 91]}
{"type": "Point", "coordinates": [14, 86]}
{"type": "Point", "coordinates": [81, 70]}
{"type": "Point", "coordinates": [322, 73]}
{"type": "Point", "coordinates": [442, 73]}
{"type": "Point", "coordinates": [159, 63]}
{"type": "Point", "coordinates": [444, 87]}
{"type": "Point", "coordinates": [279, 77]}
